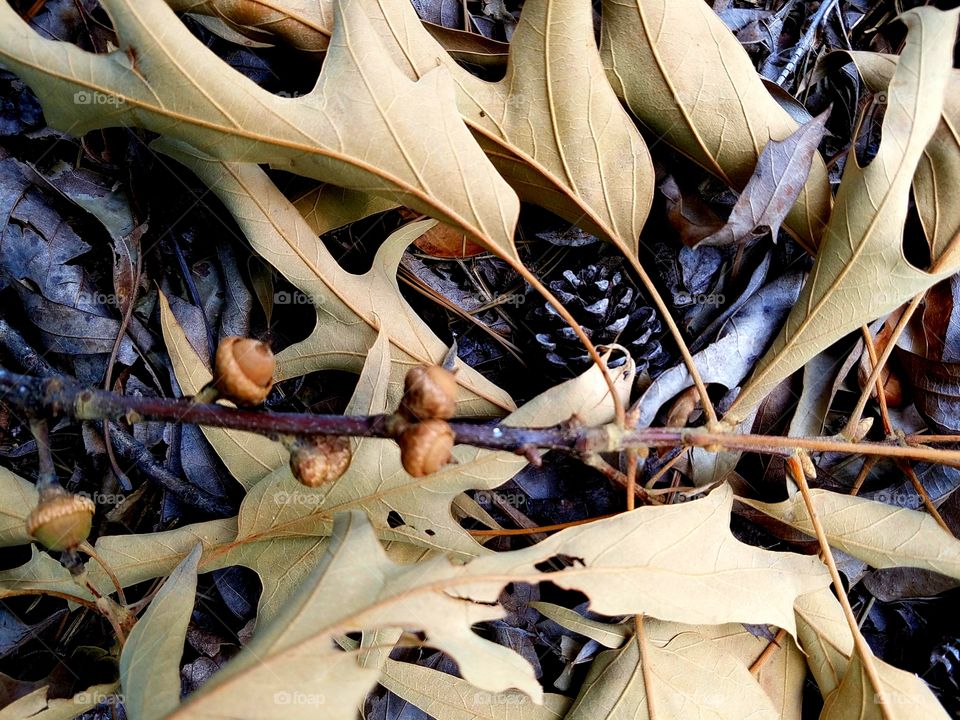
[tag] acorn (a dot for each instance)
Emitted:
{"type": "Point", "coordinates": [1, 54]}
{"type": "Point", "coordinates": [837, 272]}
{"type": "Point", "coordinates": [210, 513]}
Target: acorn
{"type": "Point", "coordinates": [319, 459]}
{"type": "Point", "coordinates": [429, 391]}
{"type": "Point", "coordinates": [61, 520]}
{"type": "Point", "coordinates": [244, 370]}
{"type": "Point", "coordinates": [425, 447]}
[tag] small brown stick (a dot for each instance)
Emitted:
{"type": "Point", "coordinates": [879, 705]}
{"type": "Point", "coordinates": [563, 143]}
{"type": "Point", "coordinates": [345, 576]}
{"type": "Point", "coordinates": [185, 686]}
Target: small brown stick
{"type": "Point", "coordinates": [598, 463]}
{"type": "Point", "coordinates": [881, 394]}
{"type": "Point", "coordinates": [924, 497]}
{"type": "Point", "coordinates": [539, 529]}
{"type": "Point", "coordinates": [862, 476]}
{"type": "Point", "coordinates": [87, 548]}
{"type": "Point", "coordinates": [768, 652]}
{"type": "Point", "coordinates": [645, 670]}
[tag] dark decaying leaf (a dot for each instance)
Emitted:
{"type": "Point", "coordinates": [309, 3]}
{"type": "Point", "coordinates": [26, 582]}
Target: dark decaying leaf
{"type": "Point", "coordinates": [892, 584]}
{"type": "Point", "coordinates": [688, 214]}
{"type": "Point", "coordinates": [932, 362]}
{"type": "Point", "coordinates": [936, 389]}
{"type": "Point", "coordinates": [775, 185]}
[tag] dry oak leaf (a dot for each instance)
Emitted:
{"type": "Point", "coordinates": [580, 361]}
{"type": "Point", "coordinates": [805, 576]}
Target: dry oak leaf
{"type": "Point", "coordinates": [674, 670]}
{"type": "Point", "coordinates": [826, 639]}
{"type": "Point", "coordinates": [351, 309]}
{"type": "Point", "coordinates": [308, 24]}
{"type": "Point", "coordinates": [938, 174]}
{"type": "Point", "coordinates": [642, 561]}
{"type": "Point", "coordinates": [861, 272]}
{"type": "Point", "coordinates": [149, 662]}
{"type": "Point", "coordinates": [447, 697]}
{"type": "Point", "coordinates": [552, 126]}
{"type": "Point", "coordinates": [688, 78]}
{"type": "Point", "coordinates": [883, 536]}
{"type": "Point", "coordinates": [164, 79]}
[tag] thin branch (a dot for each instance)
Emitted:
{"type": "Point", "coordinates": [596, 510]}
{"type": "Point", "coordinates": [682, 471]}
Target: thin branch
{"type": "Point", "coordinates": [58, 397]}
{"type": "Point", "coordinates": [860, 644]}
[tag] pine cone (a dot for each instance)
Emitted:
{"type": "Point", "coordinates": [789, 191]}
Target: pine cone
{"type": "Point", "coordinates": [601, 297]}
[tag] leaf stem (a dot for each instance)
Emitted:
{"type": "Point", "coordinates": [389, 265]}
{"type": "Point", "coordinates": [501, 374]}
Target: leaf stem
{"type": "Point", "coordinates": [851, 427]}
{"type": "Point", "coordinates": [860, 644]}
{"type": "Point", "coordinates": [675, 332]}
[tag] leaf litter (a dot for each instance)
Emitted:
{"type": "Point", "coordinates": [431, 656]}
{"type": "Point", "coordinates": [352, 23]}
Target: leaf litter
{"type": "Point", "coordinates": [468, 594]}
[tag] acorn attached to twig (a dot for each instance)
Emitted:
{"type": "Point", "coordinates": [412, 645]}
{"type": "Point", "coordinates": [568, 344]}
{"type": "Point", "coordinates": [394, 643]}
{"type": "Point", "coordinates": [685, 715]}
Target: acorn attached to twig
{"type": "Point", "coordinates": [429, 391]}
{"type": "Point", "coordinates": [319, 459]}
{"type": "Point", "coordinates": [61, 520]}
{"type": "Point", "coordinates": [243, 372]}
{"type": "Point", "coordinates": [426, 447]}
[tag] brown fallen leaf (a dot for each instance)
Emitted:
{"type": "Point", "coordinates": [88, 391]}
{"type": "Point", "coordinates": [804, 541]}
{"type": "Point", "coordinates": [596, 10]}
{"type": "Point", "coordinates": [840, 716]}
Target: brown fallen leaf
{"type": "Point", "coordinates": [936, 389]}
{"type": "Point", "coordinates": [775, 185]}
{"type": "Point", "coordinates": [308, 24]}
{"type": "Point", "coordinates": [687, 78]}
{"type": "Point", "coordinates": [443, 241]}
{"type": "Point", "coordinates": [937, 176]}
{"type": "Point", "coordinates": [861, 272]}
{"type": "Point", "coordinates": [688, 214]}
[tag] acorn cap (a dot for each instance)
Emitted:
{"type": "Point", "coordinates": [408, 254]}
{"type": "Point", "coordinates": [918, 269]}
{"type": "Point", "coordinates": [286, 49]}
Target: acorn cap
{"type": "Point", "coordinates": [61, 521]}
{"type": "Point", "coordinates": [426, 447]}
{"type": "Point", "coordinates": [244, 370]}
{"type": "Point", "coordinates": [320, 460]}
{"type": "Point", "coordinates": [429, 391]}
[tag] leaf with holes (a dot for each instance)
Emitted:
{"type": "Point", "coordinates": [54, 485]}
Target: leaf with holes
{"type": "Point", "coordinates": [649, 560]}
